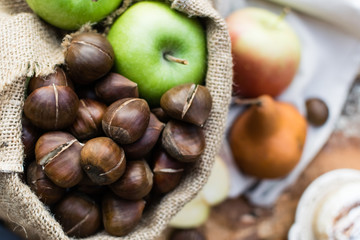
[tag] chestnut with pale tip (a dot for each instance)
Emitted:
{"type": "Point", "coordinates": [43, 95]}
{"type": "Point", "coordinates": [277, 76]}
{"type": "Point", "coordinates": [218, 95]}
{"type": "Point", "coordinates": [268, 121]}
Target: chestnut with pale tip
{"type": "Point", "coordinates": [79, 215]}
{"type": "Point", "coordinates": [121, 216]}
{"type": "Point", "coordinates": [52, 107]}
{"type": "Point", "coordinates": [183, 141]}
{"type": "Point", "coordinates": [48, 192]}
{"type": "Point", "coordinates": [167, 171]}
{"type": "Point", "coordinates": [126, 120]}
{"type": "Point", "coordinates": [145, 144]}
{"type": "Point", "coordinates": [114, 86]}
{"type": "Point", "coordinates": [88, 57]}
{"type": "Point", "coordinates": [58, 78]}
{"type": "Point", "coordinates": [88, 120]}
{"type": "Point", "coordinates": [136, 182]}
{"type": "Point", "coordinates": [59, 155]}
{"type": "Point", "coordinates": [103, 160]}
{"type": "Point", "coordinates": [188, 102]}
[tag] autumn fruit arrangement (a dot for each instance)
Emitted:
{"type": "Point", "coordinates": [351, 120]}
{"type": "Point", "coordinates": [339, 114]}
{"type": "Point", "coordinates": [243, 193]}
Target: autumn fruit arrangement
{"type": "Point", "coordinates": [106, 134]}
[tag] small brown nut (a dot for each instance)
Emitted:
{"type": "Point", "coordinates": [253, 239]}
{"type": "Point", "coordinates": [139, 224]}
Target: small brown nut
{"type": "Point", "coordinates": [126, 120]}
{"type": "Point", "coordinates": [114, 87]}
{"type": "Point", "coordinates": [160, 114]}
{"type": "Point", "coordinates": [29, 136]}
{"type": "Point", "coordinates": [187, 234]}
{"type": "Point", "coordinates": [88, 120]}
{"type": "Point", "coordinates": [187, 102]}
{"type": "Point", "coordinates": [79, 215]}
{"type": "Point", "coordinates": [42, 186]}
{"type": "Point", "coordinates": [103, 160]}
{"type": "Point", "coordinates": [52, 107]}
{"type": "Point", "coordinates": [58, 78]}
{"type": "Point", "coordinates": [87, 92]}
{"type": "Point", "coordinates": [183, 141]}
{"type": "Point", "coordinates": [317, 111]}
{"type": "Point", "coordinates": [136, 182]}
{"type": "Point", "coordinates": [167, 171]}
{"type": "Point", "coordinates": [88, 57]}
{"type": "Point", "coordinates": [143, 146]}
{"type": "Point", "coordinates": [59, 155]}
{"type": "Point", "coordinates": [120, 216]}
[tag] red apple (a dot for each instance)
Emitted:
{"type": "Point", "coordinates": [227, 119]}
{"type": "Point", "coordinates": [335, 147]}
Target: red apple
{"type": "Point", "coordinates": [266, 52]}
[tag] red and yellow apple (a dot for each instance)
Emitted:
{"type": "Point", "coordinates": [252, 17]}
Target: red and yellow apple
{"type": "Point", "coordinates": [266, 52]}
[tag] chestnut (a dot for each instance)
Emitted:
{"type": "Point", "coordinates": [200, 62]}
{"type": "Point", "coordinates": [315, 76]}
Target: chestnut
{"type": "Point", "coordinates": [143, 146]}
{"type": "Point", "coordinates": [121, 216]}
{"type": "Point", "coordinates": [51, 107]}
{"type": "Point", "coordinates": [78, 214]}
{"type": "Point", "coordinates": [183, 141]}
{"type": "Point", "coordinates": [167, 171]}
{"type": "Point", "coordinates": [317, 112]}
{"type": "Point", "coordinates": [187, 102]}
{"type": "Point", "coordinates": [136, 182]}
{"type": "Point", "coordinates": [126, 120]}
{"type": "Point", "coordinates": [29, 136]}
{"type": "Point", "coordinates": [58, 78]}
{"type": "Point", "coordinates": [114, 86]}
{"type": "Point", "coordinates": [160, 114]}
{"type": "Point", "coordinates": [88, 57]}
{"type": "Point", "coordinates": [42, 186]}
{"type": "Point", "coordinates": [103, 160]}
{"type": "Point", "coordinates": [88, 120]}
{"type": "Point", "coordinates": [59, 155]}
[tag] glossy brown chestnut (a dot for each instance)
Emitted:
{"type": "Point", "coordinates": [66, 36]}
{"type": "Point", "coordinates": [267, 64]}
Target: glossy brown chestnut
{"type": "Point", "coordinates": [121, 216]}
{"type": "Point", "coordinates": [167, 171]}
{"type": "Point", "coordinates": [52, 107]}
{"type": "Point", "coordinates": [317, 112]}
{"type": "Point", "coordinates": [88, 120]}
{"type": "Point", "coordinates": [103, 160]}
{"type": "Point", "coordinates": [42, 186]}
{"type": "Point", "coordinates": [143, 146]}
{"type": "Point", "coordinates": [59, 155]}
{"type": "Point", "coordinates": [136, 182]}
{"type": "Point", "coordinates": [87, 92]}
{"type": "Point", "coordinates": [58, 78]}
{"type": "Point", "coordinates": [126, 120]}
{"type": "Point", "coordinates": [29, 136]}
{"type": "Point", "coordinates": [88, 57]}
{"type": "Point", "coordinates": [160, 114]}
{"type": "Point", "coordinates": [183, 141]}
{"type": "Point", "coordinates": [187, 102]}
{"type": "Point", "coordinates": [79, 215]}
{"type": "Point", "coordinates": [114, 87]}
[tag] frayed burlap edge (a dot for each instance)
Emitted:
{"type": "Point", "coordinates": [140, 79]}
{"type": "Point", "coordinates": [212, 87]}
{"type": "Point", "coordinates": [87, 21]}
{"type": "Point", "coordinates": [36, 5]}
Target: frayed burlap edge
{"type": "Point", "coordinates": [30, 216]}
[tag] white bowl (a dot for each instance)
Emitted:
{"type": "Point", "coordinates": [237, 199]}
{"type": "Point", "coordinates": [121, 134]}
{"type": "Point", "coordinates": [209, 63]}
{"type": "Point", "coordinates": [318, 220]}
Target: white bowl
{"type": "Point", "coordinates": [323, 199]}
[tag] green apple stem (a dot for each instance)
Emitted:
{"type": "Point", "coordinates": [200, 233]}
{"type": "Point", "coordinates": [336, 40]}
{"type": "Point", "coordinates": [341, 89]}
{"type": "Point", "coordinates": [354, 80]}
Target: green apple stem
{"type": "Point", "coordinates": [250, 101]}
{"type": "Point", "coordinates": [175, 59]}
{"type": "Point", "coordinates": [285, 11]}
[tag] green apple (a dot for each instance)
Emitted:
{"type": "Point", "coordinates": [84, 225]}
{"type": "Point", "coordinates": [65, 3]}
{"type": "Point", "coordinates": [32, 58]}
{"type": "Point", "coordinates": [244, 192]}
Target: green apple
{"type": "Point", "coordinates": [266, 52]}
{"type": "Point", "coordinates": [158, 48]}
{"type": "Point", "coordinates": [72, 14]}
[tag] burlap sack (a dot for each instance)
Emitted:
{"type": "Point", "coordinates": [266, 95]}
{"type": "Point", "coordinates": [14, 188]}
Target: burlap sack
{"type": "Point", "coordinates": [30, 46]}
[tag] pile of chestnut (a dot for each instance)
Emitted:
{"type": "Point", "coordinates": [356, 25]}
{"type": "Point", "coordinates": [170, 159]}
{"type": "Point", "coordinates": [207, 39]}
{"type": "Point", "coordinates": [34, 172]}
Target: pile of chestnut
{"type": "Point", "coordinates": [99, 151]}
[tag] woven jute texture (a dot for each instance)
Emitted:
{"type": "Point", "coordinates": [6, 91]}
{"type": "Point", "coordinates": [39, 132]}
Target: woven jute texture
{"type": "Point", "coordinates": [31, 47]}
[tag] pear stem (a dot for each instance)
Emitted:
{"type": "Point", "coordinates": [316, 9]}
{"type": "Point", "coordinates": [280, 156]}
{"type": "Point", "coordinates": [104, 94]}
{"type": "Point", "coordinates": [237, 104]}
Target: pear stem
{"type": "Point", "coordinates": [285, 11]}
{"type": "Point", "coordinates": [250, 101]}
{"type": "Point", "coordinates": [175, 59]}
